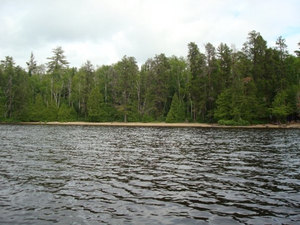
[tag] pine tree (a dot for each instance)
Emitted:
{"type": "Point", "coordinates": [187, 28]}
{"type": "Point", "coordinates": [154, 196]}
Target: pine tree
{"type": "Point", "coordinates": [126, 72]}
{"type": "Point", "coordinates": [177, 111]}
{"type": "Point", "coordinates": [38, 109]}
{"type": "Point", "coordinates": [198, 83]}
{"type": "Point", "coordinates": [66, 113]}
{"type": "Point", "coordinates": [224, 105]}
{"type": "Point", "coordinates": [2, 105]}
{"type": "Point", "coordinates": [31, 65]}
{"type": "Point", "coordinates": [8, 79]}
{"type": "Point", "coordinates": [96, 106]}
{"type": "Point", "coordinates": [298, 51]}
{"type": "Point", "coordinates": [51, 111]}
{"type": "Point", "coordinates": [57, 67]}
{"type": "Point", "coordinates": [280, 108]}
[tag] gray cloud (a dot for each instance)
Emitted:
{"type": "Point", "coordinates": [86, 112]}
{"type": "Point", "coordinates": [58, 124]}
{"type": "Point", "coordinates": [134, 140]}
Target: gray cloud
{"type": "Point", "coordinates": [103, 31]}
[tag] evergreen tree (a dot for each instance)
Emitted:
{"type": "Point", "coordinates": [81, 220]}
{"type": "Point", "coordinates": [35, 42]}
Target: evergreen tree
{"type": "Point", "coordinates": [298, 51]}
{"type": "Point", "coordinates": [126, 74]}
{"type": "Point", "coordinates": [104, 75]}
{"type": "Point", "coordinates": [234, 87]}
{"type": "Point", "coordinates": [66, 113]}
{"type": "Point", "coordinates": [179, 76]}
{"type": "Point", "coordinates": [2, 105]}
{"type": "Point", "coordinates": [177, 111]}
{"type": "Point", "coordinates": [280, 108]}
{"type": "Point", "coordinates": [8, 79]}
{"type": "Point", "coordinates": [38, 109]}
{"type": "Point", "coordinates": [197, 84]}
{"type": "Point", "coordinates": [298, 102]}
{"type": "Point", "coordinates": [96, 106]}
{"type": "Point", "coordinates": [51, 111]}
{"type": "Point", "coordinates": [224, 105]}
{"type": "Point", "coordinates": [22, 95]}
{"type": "Point", "coordinates": [58, 61]}
{"type": "Point", "coordinates": [57, 67]}
{"type": "Point", "coordinates": [225, 63]}
{"type": "Point", "coordinates": [212, 80]}
{"type": "Point", "coordinates": [31, 65]}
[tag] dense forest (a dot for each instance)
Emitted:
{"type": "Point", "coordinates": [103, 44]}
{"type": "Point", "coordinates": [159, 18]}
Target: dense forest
{"type": "Point", "coordinates": [256, 84]}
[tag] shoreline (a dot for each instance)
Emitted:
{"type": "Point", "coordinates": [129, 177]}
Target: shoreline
{"type": "Point", "coordinates": [162, 124]}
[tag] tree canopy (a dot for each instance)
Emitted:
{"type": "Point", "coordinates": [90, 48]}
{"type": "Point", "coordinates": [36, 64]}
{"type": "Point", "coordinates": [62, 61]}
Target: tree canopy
{"type": "Point", "coordinates": [256, 84]}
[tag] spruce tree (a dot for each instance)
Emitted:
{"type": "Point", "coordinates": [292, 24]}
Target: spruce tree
{"type": "Point", "coordinates": [38, 110]}
{"type": "Point", "coordinates": [177, 111]}
{"type": "Point", "coordinates": [280, 108]}
{"type": "Point", "coordinates": [96, 106]}
{"type": "Point", "coordinates": [66, 113]}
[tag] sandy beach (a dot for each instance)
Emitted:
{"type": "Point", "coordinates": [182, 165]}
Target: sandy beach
{"type": "Point", "coordinates": [178, 125]}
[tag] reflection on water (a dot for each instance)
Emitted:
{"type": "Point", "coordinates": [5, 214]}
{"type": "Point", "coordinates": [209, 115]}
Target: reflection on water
{"type": "Point", "coordinates": [115, 175]}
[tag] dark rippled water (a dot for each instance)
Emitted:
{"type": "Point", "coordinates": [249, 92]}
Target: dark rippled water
{"type": "Point", "coordinates": [115, 175]}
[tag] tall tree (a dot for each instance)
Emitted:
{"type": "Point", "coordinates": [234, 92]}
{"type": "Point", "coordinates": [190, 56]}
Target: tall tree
{"type": "Point", "coordinates": [104, 75]}
{"type": "Point", "coordinates": [298, 51]}
{"type": "Point", "coordinates": [198, 84]}
{"type": "Point", "coordinates": [9, 76]}
{"type": "Point", "coordinates": [235, 86]}
{"type": "Point", "coordinates": [31, 65]}
{"type": "Point", "coordinates": [88, 81]}
{"type": "Point", "coordinates": [280, 107]}
{"type": "Point", "coordinates": [177, 111]}
{"type": "Point", "coordinates": [57, 67]}
{"type": "Point", "coordinates": [2, 105]}
{"type": "Point", "coordinates": [281, 46]}
{"type": "Point", "coordinates": [38, 109]}
{"type": "Point", "coordinates": [224, 54]}
{"type": "Point", "coordinates": [255, 48]}
{"type": "Point", "coordinates": [212, 79]}
{"type": "Point", "coordinates": [22, 95]}
{"type": "Point", "coordinates": [155, 78]}
{"type": "Point", "coordinates": [179, 76]}
{"type": "Point", "coordinates": [126, 72]}
{"type": "Point", "coordinates": [58, 61]}
{"type": "Point", "coordinates": [66, 113]}
{"type": "Point", "coordinates": [95, 106]}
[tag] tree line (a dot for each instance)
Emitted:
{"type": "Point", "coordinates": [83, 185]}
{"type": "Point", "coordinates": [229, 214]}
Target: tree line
{"type": "Point", "coordinates": [256, 84]}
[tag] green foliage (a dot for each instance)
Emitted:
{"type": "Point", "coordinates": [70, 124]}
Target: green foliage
{"type": "Point", "coordinates": [22, 93]}
{"type": "Point", "coordinates": [298, 101]}
{"type": "Point", "coordinates": [155, 80]}
{"type": "Point", "coordinates": [177, 111]}
{"type": "Point", "coordinates": [239, 122]}
{"type": "Point", "coordinates": [51, 112]}
{"type": "Point", "coordinates": [58, 61]}
{"type": "Point", "coordinates": [239, 104]}
{"type": "Point", "coordinates": [280, 108]}
{"type": "Point", "coordinates": [2, 106]}
{"type": "Point", "coordinates": [224, 106]}
{"type": "Point", "coordinates": [147, 119]}
{"type": "Point", "coordinates": [197, 86]}
{"type": "Point", "coordinates": [222, 84]}
{"type": "Point", "coordinates": [126, 72]}
{"type": "Point", "coordinates": [38, 109]}
{"type": "Point", "coordinates": [66, 113]}
{"type": "Point", "coordinates": [97, 110]}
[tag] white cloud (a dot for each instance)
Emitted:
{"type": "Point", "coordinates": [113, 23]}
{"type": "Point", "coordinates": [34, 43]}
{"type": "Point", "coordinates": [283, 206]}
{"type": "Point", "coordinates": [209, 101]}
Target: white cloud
{"type": "Point", "coordinates": [103, 31]}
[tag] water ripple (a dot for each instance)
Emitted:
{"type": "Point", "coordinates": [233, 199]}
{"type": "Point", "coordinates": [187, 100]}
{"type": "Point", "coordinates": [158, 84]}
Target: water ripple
{"type": "Point", "coordinates": [115, 175]}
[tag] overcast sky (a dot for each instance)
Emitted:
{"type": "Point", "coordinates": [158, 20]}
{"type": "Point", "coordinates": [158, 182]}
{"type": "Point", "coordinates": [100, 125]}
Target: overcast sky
{"type": "Point", "coordinates": [103, 31]}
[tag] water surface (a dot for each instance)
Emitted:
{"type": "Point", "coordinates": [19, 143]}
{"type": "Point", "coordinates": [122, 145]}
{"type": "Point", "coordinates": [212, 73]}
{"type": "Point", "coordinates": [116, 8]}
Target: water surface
{"type": "Point", "coordinates": [118, 175]}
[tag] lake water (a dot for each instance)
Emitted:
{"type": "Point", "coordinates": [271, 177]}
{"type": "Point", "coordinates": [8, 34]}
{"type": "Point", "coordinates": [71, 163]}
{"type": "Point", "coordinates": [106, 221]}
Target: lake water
{"type": "Point", "coordinates": [119, 175]}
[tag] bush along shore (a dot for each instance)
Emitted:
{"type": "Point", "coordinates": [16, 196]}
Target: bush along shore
{"type": "Point", "coordinates": [162, 124]}
{"type": "Point", "coordinates": [258, 84]}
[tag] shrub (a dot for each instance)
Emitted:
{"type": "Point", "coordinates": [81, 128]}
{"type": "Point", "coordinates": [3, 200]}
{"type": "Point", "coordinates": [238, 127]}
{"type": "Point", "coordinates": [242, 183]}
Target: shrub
{"type": "Point", "coordinates": [234, 122]}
